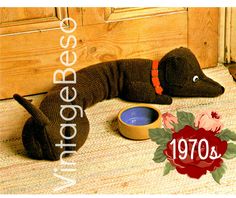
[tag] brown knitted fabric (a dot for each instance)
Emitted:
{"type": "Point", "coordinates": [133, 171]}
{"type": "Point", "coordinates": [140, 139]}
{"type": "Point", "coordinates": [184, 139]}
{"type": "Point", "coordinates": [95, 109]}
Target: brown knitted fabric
{"type": "Point", "coordinates": [128, 79]}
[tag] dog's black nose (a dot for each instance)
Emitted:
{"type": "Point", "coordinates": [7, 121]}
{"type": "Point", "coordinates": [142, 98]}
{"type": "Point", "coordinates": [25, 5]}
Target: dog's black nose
{"type": "Point", "coordinates": [223, 89]}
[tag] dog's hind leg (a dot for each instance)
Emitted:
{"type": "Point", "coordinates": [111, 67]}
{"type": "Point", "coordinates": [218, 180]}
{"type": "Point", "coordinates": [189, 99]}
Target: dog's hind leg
{"type": "Point", "coordinates": [143, 92]}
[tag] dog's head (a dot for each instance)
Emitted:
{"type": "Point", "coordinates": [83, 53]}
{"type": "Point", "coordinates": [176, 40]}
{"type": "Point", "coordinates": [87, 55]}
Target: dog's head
{"type": "Point", "coordinates": [181, 75]}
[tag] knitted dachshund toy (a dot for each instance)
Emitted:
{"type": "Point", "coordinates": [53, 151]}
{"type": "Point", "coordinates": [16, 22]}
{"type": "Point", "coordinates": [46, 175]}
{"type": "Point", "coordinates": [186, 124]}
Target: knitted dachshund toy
{"type": "Point", "coordinates": [139, 80]}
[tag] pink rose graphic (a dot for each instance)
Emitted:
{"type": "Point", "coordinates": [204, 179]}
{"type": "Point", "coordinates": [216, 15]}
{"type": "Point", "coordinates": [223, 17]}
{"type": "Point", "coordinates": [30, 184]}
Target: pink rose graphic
{"type": "Point", "coordinates": [168, 119]}
{"type": "Point", "coordinates": [209, 120]}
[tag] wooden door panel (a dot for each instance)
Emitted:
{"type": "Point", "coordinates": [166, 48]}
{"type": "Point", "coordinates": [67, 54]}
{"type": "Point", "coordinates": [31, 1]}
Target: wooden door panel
{"type": "Point", "coordinates": [120, 14]}
{"type": "Point", "coordinates": [20, 14]}
{"type": "Point", "coordinates": [92, 16]}
{"type": "Point", "coordinates": [23, 20]}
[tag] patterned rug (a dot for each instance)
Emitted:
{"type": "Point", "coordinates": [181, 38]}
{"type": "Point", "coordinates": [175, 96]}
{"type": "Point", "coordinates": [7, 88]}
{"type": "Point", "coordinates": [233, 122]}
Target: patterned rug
{"type": "Point", "coordinates": [109, 163]}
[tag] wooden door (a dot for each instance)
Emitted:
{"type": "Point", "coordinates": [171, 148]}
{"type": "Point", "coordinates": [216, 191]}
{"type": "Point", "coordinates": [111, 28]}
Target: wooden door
{"type": "Point", "coordinates": [30, 40]}
{"type": "Point", "coordinates": [227, 45]}
{"type": "Point", "coordinates": [233, 36]}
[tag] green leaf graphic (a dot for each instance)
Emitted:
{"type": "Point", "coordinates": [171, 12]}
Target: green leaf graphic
{"type": "Point", "coordinates": [178, 126]}
{"type": "Point", "coordinates": [185, 118]}
{"type": "Point", "coordinates": [218, 173]}
{"type": "Point", "coordinates": [227, 135]}
{"type": "Point", "coordinates": [160, 135]}
{"type": "Point", "coordinates": [168, 131]}
{"type": "Point", "coordinates": [231, 151]}
{"type": "Point", "coordinates": [168, 167]}
{"type": "Point", "coordinates": [159, 156]}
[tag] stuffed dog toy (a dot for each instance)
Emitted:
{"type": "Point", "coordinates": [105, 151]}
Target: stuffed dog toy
{"type": "Point", "coordinates": [139, 80]}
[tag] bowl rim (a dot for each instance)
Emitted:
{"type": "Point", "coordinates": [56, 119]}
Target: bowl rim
{"type": "Point", "coordinates": [139, 105]}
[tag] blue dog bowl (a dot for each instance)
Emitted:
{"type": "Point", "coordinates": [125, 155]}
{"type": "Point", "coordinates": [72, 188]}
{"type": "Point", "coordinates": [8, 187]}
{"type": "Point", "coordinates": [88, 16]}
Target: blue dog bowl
{"type": "Point", "coordinates": [134, 122]}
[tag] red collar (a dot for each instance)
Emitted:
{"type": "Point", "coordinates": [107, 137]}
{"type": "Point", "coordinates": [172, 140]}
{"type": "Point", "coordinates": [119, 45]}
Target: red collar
{"type": "Point", "coordinates": [155, 79]}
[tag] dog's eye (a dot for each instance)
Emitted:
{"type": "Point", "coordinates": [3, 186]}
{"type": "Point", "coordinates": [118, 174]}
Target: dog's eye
{"type": "Point", "coordinates": [195, 78]}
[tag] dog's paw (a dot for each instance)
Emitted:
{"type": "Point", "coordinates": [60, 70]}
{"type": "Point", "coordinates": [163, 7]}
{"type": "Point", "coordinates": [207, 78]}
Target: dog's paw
{"type": "Point", "coordinates": [163, 99]}
{"type": "Point", "coordinates": [168, 99]}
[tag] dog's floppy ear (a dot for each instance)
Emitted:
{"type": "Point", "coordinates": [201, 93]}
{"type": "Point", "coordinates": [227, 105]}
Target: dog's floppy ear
{"type": "Point", "coordinates": [176, 71]}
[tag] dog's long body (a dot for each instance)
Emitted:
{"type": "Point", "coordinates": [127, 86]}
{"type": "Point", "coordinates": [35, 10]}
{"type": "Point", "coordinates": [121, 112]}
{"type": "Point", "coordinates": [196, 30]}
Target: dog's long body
{"type": "Point", "coordinates": [179, 74]}
{"type": "Point", "coordinates": [128, 79]}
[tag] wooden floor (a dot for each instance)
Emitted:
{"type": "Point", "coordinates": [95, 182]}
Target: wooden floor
{"type": "Point", "coordinates": [109, 163]}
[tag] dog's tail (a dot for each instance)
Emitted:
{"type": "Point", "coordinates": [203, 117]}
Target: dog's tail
{"type": "Point", "coordinates": [36, 113]}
